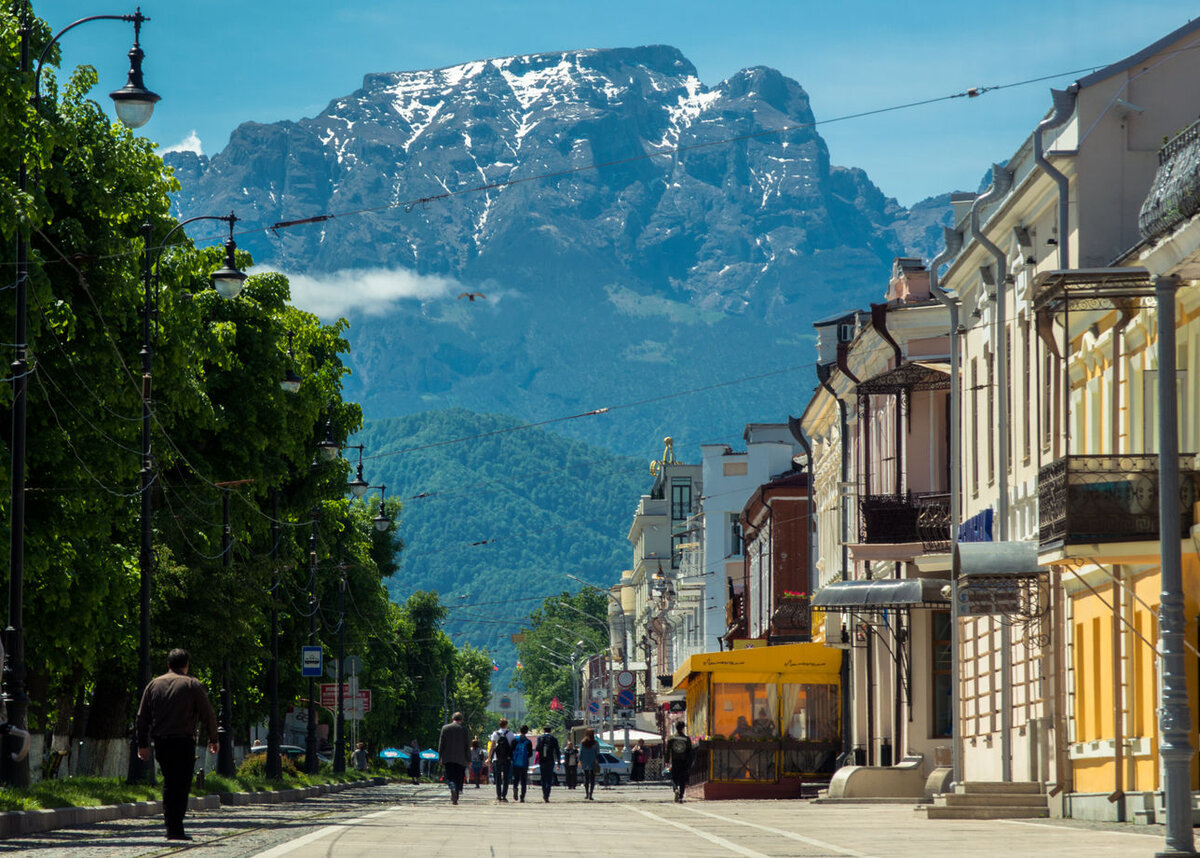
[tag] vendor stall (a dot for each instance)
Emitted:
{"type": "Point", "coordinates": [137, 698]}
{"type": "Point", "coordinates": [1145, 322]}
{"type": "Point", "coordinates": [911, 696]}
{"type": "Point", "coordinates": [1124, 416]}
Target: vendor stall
{"type": "Point", "coordinates": [765, 720]}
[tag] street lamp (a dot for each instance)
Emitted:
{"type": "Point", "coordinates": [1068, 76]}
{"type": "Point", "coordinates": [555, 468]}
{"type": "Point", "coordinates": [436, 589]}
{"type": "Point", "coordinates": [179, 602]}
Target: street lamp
{"type": "Point", "coordinates": [382, 520]}
{"type": "Point", "coordinates": [140, 771]}
{"type": "Point", "coordinates": [358, 486]}
{"type": "Point", "coordinates": [12, 772]}
{"type": "Point", "coordinates": [310, 736]}
{"type": "Point", "coordinates": [290, 382]}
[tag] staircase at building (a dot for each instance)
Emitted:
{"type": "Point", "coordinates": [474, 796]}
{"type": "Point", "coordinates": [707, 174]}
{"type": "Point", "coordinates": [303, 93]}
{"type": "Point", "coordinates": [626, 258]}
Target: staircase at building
{"type": "Point", "coordinates": [989, 800]}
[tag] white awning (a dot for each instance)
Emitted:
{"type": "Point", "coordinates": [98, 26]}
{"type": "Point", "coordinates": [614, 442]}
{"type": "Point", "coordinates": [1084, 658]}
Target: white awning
{"type": "Point", "coordinates": [617, 737]}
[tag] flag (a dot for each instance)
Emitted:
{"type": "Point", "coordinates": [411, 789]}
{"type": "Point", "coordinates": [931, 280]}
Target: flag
{"type": "Point", "coordinates": [495, 666]}
{"type": "Point", "coordinates": [555, 705]}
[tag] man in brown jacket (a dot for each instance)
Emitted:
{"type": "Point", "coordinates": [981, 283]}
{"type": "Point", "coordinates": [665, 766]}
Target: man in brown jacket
{"type": "Point", "coordinates": [454, 749]}
{"type": "Point", "coordinates": [171, 707]}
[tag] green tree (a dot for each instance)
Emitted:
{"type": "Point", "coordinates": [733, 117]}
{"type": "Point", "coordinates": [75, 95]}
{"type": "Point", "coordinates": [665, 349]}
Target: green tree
{"type": "Point", "coordinates": [564, 627]}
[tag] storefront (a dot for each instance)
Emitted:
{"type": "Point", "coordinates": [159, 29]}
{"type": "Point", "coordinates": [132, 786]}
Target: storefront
{"type": "Point", "coordinates": [765, 720]}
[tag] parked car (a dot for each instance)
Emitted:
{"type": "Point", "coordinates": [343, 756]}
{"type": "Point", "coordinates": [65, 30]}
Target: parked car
{"type": "Point", "coordinates": [292, 752]}
{"type": "Point", "coordinates": [612, 769]}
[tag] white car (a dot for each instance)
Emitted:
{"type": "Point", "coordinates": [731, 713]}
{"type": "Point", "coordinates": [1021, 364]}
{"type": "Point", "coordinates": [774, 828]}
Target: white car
{"type": "Point", "coordinates": [612, 769]}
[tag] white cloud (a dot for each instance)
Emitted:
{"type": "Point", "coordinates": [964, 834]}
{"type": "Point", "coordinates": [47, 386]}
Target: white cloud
{"type": "Point", "coordinates": [191, 143]}
{"type": "Point", "coordinates": [365, 291]}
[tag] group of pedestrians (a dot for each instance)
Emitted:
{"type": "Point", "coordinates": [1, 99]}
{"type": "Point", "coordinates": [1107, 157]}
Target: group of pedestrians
{"type": "Point", "coordinates": [175, 705]}
{"type": "Point", "coordinates": [509, 758]}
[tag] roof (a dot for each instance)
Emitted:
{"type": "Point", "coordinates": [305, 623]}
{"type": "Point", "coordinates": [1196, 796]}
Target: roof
{"type": "Point", "coordinates": [1142, 55]}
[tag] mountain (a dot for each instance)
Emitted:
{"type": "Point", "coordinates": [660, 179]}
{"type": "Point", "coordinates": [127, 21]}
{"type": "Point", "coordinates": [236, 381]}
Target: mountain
{"type": "Point", "coordinates": [642, 237]}
{"type": "Point", "coordinates": [495, 522]}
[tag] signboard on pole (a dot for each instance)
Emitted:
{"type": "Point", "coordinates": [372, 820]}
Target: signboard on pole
{"type": "Point", "coordinates": [625, 679]}
{"type": "Point", "coordinates": [625, 698]}
{"type": "Point", "coordinates": [310, 661]}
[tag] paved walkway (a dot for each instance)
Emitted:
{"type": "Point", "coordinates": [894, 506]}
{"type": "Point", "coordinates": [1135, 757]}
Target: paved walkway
{"type": "Point", "coordinates": [626, 821]}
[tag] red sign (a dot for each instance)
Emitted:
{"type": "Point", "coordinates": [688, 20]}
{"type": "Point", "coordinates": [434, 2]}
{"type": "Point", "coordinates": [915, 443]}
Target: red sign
{"type": "Point", "coordinates": [555, 705]}
{"type": "Point", "coordinates": [329, 697]}
{"type": "Point", "coordinates": [329, 694]}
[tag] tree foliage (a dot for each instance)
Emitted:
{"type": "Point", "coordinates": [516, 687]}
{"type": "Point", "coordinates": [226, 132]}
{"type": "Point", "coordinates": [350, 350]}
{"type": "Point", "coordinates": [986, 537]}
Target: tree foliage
{"type": "Point", "coordinates": [562, 632]}
{"type": "Point", "coordinates": [243, 514]}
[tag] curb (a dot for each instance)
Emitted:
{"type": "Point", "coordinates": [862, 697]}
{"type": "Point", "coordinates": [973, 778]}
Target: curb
{"type": "Point", "coordinates": [15, 823]}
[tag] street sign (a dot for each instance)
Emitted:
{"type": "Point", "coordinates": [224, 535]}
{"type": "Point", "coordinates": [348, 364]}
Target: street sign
{"type": "Point", "coordinates": [329, 694]}
{"type": "Point", "coordinates": [352, 665]}
{"type": "Point", "coordinates": [981, 595]}
{"type": "Point", "coordinates": [625, 698]}
{"type": "Point", "coordinates": [354, 705]}
{"type": "Point", "coordinates": [594, 706]}
{"type": "Point", "coordinates": [310, 661]}
{"type": "Point", "coordinates": [625, 679]}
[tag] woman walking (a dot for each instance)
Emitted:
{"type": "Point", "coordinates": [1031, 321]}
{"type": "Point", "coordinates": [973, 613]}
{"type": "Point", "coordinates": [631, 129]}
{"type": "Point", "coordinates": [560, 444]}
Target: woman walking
{"type": "Point", "coordinates": [571, 765]}
{"type": "Point", "coordinates": [476, 762]}
{"type": "Point", "coordinates": [414, 761]}
{"type": "Point", "coordinates": [589, 761]}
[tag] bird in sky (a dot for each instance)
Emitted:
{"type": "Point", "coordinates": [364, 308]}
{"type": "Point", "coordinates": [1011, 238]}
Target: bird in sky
{"type": "Point", "coordinates": [471, 296]}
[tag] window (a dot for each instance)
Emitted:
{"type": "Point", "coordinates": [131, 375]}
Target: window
{"type": "Point", "coordinates": [1026, 389]}
{"type": "Point", "coordinates": [681, 498]}
{"type": "Point", "coordinates": [677, 543]}
{"type": "Point", "coordinates": [975, 425]}
{"type": "Point", "coordinates": [989, 440]}
{"type": "Point", "coordinates": [1150, 409]}
{"type": "Point", "coordinates": [942, 655]}
{"type": "Point", "coordinates": [735, 535]}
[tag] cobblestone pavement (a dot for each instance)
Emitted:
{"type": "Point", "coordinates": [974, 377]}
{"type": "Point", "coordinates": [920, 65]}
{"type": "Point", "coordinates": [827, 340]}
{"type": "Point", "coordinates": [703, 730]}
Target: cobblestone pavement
{"type": "Point", "coordinates": [640, 820]}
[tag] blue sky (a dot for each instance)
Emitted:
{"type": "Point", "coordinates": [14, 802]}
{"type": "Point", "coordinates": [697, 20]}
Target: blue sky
{"type": "Point", "coordinates": [218, 63]}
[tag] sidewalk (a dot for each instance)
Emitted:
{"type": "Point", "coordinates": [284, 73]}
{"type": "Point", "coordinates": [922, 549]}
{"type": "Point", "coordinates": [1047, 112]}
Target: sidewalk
{"type": "Point", "coordinates": [17, 823]}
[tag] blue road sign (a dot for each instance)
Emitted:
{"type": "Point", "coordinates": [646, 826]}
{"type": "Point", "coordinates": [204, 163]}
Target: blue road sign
{"type": "Point", "coordinates": [310, 661]}
{"type": "Point", "coordinates": [625, 697]}
{"type": "Point", "coordinates": [594, 706]}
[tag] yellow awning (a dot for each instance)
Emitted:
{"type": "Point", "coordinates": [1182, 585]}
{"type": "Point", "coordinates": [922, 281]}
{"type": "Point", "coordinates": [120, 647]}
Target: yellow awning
{"type": "Point", "coordinates": [752, 665]}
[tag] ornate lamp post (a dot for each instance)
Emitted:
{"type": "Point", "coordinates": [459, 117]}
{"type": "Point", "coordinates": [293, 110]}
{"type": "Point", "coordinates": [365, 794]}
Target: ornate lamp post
{"type": "Point", "coordinates": [1174, 715]}
{"type": "Point", "coordinates": [228, 282]}
{"type": "Point", "coordinates": [134, 104]}
{"type": "Point", "coordinates": [310, 736]}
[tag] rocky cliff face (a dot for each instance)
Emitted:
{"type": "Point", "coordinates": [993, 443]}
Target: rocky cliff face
{"type": "Point", "coordinates": [660, 234]}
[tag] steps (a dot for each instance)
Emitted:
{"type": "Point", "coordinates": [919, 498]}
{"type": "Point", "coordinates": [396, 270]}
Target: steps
{"type": "Point", "coordinates": [988, 800]}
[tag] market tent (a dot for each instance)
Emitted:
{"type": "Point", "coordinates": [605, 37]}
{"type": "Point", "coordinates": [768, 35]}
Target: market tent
{"type": "Point", "coordinates": [618, 736]}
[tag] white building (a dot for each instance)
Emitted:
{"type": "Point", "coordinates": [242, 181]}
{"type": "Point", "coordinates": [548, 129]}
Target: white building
{"type": "Point", "coordinates": [729, 478]}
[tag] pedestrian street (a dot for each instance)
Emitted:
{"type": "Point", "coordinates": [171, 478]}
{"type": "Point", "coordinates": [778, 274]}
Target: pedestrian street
{"type": "Point", "coordinates": [629, 820]}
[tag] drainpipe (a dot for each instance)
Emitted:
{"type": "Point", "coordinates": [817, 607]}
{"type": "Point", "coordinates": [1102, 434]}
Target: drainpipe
{"type": "Point", "coordinates": [879, 314]}
{"type": "Point", "coordinates": [1064, 106]}
{"type": "Point", "coordinates": [952, 241]}
{"type": "Point", "coordinates": [802, 439]}
{"type": "Point", "coordinates": [1002, 179]}
{"type": "Point", "coordinates": [823, 373]}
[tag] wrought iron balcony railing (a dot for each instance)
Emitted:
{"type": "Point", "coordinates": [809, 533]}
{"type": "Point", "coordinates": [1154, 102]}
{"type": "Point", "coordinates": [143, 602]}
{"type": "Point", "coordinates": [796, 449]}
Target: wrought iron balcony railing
{"type": "Point", "coordinates": [907, 517]}
{"type": "Point", "coordinates": [1109, 499]}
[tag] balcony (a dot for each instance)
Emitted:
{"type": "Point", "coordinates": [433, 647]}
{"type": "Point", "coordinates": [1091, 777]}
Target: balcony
{"type": "Point", "coordinates": [791, 620]}
{"type": "Point", "coordinates": [1088, 499]}
{"type": "Point", "coordinates": [906, 518]}
{"type": "Point", "coordinates": [1175, 195]}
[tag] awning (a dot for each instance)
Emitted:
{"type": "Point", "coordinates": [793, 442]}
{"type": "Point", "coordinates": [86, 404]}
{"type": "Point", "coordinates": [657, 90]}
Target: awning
{"type": "Point", "coordinates": [882, 594]}
{"type": "Point", "coordinates": [618, 736]}
{"type": "Point", "coordinates": [755, 663]}
{"type": "Point", "coordinates": [996, 559]}
{"type": "Point", "coordinates": [916, 375]}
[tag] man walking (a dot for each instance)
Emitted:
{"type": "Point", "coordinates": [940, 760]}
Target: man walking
{"type": "Point", "coordinates": [679, 753]}
{"type": "Point", "coordinates": [548, 754]}
{"type": "Point", "coordinates": [454, 749]}
{"type": "Point", "coordinates": [500, 759]}
{"type": "Point", "coordinates": [170, 709]}
{"type": "Point", "coordinates": [522, 753]}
